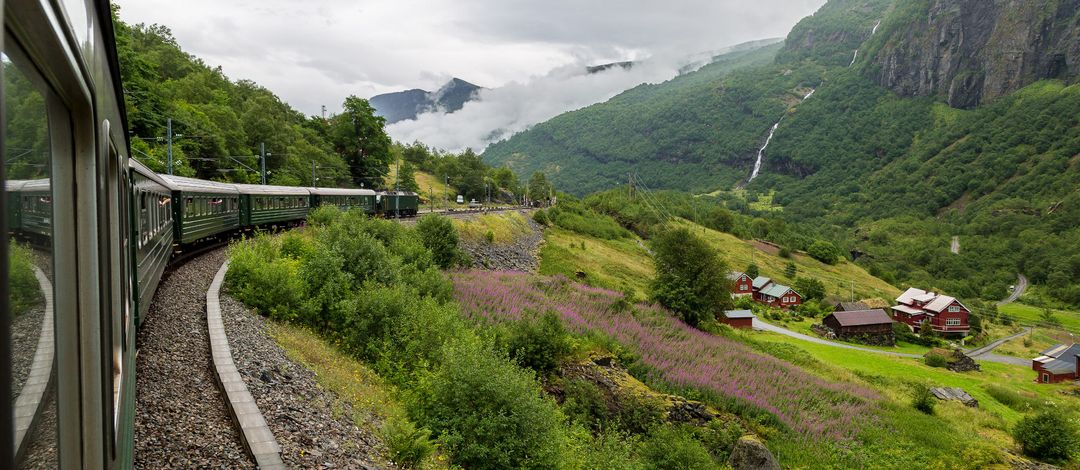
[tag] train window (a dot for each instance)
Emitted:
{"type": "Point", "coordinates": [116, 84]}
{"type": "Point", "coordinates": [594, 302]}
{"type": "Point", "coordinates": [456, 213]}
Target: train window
{"type": "Point", "coordinates": [27, 153]}
{"type": "Point", "coordinates": [144, 219]}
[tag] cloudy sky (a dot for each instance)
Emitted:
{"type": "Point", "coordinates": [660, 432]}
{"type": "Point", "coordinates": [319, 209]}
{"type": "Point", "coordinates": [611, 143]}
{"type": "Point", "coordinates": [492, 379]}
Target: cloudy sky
{"type": "Point", "coordinates": [317, 52]}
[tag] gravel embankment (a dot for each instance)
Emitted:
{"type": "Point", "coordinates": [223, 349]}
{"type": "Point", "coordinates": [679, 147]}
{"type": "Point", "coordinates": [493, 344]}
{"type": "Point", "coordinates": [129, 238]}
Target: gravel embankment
{"type": "Point", "coordinates": [181, 420]}
{"type": "Point", "coordinates": [523, 254]}
{"type": "Point", "coordinates": [313, 427]}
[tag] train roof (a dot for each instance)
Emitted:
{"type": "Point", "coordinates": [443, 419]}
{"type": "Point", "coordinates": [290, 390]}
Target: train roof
{"type": "Point", "coordinates": [15, 185]}
{"type": "Point", "coordinates": [272, 190]}
{"type": "Point", "coordinates": [145, 171]}
{"type": "Point", "coordinates": [192, 185]}
{"type": "Point", "coordinates": [44, 184]}
{"type": "Point", "coordinates": [341, 192]}
{"type": "Point", "coordinates": [396, 193]}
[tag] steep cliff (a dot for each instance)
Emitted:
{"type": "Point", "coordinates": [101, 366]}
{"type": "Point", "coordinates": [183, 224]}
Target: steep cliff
{"type": "Point", "coordinates": [969, 52]}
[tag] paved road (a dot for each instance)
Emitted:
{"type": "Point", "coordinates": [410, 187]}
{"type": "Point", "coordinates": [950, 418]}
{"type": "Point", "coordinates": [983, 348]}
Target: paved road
{"type": "Point", "coordinates": [1021, 286]}
{"type": "Point", "coordinates": [760, 325]}
{"type": "Point", "coordinates": [990, 347]}
{"type": "Point", "coordinates": [955, 245]}
{"type": "Point", "coordinates": [763, 326]}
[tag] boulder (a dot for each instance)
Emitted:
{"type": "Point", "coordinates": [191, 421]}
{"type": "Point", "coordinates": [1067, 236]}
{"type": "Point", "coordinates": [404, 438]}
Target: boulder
{"type": "Point", "coordinates": [751, 454]}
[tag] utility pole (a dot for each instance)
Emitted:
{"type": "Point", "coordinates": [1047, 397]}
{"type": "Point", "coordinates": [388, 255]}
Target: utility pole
{"type": "Point", "coordinates": [852, 289]}
{"type": "Point", "coordinates": [431, 197]}
{"type": "Point", "coordinates": [446, 193]}
{"type": "Point", "coordinates": [324, 112]}
{"type": "Point", "coordinates": [262, 161]}
{"type": "Point", "coordinates": [168, 130]}
{"type": "Point", "coordinates": [313, 164]}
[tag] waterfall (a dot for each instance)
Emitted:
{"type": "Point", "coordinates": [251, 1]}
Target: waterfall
{"type": "Point", "coordinates": [872, 32]}
{"type": "Point", "coordinates": [761, 153]}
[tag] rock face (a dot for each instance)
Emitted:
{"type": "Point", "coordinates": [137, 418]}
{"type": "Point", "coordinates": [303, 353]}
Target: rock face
{"type": "Point", "coordinates": [520, 255]}
{"type": "Point", "coordinates": [751, 454]}
{"type": "Point", "coordinates": [953, 393]}
{"type": "Point", "coordinates": [973, 51]}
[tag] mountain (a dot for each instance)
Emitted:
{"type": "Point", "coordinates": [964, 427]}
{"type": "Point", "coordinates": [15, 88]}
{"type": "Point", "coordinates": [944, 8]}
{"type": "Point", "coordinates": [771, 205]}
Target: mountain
{"type": "Point", "coordinates": [406, 105]}
{"type": "Point", "coordinates": [888, 125]}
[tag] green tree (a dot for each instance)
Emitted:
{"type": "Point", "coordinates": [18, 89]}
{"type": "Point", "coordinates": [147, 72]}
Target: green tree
{"type": "Point", "coordinates": [791, 270]}
{"type": "Point", "coordinates": [505, 178]}
{"type": "Point", "coordinates": [810, 288]}
{"type": "Point", "coordinates": [691, 278]}
{"type": "Point", "coordinates": [753, 271]}
{"type": "Point", "coordinates": [539, 188]}
{"type": "Point", "coordinates": [406, 178]}
{"type": "Point", "coordinates": [824, 251]}
{"type": "Point", "coordinates": [359, 137]}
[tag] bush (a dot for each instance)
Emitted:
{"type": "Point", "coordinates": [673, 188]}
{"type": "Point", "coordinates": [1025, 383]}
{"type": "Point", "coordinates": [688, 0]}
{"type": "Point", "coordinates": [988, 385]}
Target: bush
{"type": "Point", "coordinates": [752, 271]}
{"type": "Point", "coordinates": [1048, 435]}
{"type": "Point", "coordinates": [490, 413]}
{"type": "Point", "coordinates": [489, 236]}
{"type": "Point", "coordinates": [785, 252]}
{"type": "Point", "coordinates": [922, 399]}
{"type": "Point", "coordinates": [1012, 399]}
{"type": "Point", "coordinates": [824, 251]}
{"type": "Point", "coordinates": [439, 235]}
{"type": "Point", "coordinates": [323, 216]}
{"type": "Point", "coordinates": [810, 288]}
{"type": "Point", "coordinates": [25, 292]}
{"type": "Point", "coordinates": [936, 360]}
{"type": "Point", "coordinates": [539, 342]}
{"type": "Point", "coordinates": [541, 217]}
{"type": "Point", "coordinates": [262, 279]}
{"type": "Point", "coordinates": [674, 448]}
{"type": "Point", "coordinates": [408, 445]}
{"type": "Point", "coordinates": [791, 270]}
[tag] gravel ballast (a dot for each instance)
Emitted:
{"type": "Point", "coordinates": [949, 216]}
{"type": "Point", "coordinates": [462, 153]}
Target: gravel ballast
{"type": "Point", "coordinates": [313, 427]}
{"type": "Point", "coordinates": [523, 254]}
{"type": "Point", "coordinates": [181, 419]}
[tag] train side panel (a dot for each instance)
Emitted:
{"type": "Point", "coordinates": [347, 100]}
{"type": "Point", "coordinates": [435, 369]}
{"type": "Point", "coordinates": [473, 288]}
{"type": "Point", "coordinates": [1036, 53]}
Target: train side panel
{"type": "Point", "coordinates": [152, 236]}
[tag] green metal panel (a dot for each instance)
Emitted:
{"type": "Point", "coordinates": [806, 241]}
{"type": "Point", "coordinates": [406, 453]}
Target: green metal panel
{"type": "Point", "coordinates": [37, 220]}
{"type": "Point", "coordinates": [192, 228]}
{"type": "Point", "coordinates": [14, 211]}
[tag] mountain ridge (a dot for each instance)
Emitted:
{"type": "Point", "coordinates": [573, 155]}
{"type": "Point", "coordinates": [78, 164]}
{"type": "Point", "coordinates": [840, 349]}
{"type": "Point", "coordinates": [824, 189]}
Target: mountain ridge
{"type": "Point", "coordinates": [407, 105]}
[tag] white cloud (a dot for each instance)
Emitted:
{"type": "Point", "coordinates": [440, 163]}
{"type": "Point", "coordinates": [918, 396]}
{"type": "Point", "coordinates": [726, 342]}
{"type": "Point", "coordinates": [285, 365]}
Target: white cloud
{"type": "Point", "coordinates": [317, 52]}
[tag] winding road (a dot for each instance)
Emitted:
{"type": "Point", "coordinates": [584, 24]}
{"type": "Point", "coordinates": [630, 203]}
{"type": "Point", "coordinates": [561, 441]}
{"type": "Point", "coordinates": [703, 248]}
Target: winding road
{"type": "Point", "coordinates": [1021, 286]}
{"type": "Point", "coordinates": [982, 353]}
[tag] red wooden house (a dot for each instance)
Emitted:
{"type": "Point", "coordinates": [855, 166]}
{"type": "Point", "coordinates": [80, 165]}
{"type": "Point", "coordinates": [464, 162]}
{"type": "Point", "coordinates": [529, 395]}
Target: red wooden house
{"type": "Point", "coordinates": [741, 284]}
{"type": "Point", "coordinates": [775, 295]}
{"type": "Point", "coordinates": [1058, 364]}
{"type": "Point", "coordinates": [946, 315]}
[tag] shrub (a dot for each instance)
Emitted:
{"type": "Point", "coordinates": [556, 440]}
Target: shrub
{"type": "Point", "coordinates": [539, 342]}
{"type": "Point", "coordinates": [262, 279]}
{"type": "Point", "coordinates": [1012, 398]}
{"type": "Point", "coordinates": [489, 236]}
{"type": "Point", "coordinates": [752, 271]}
{"type": "Point", "coordinates": [490, 413]}
{"type": "Point", "coordinates": [810, 288]}
{"type": "Point", "coordinates": [785, 252]}
{"type": "Point", "coordinates": [1048, 435]}
{"type": "Point", "coordinates": [691, 279]}
{"type": "Point", "coordinates": [408, 445]}
{"type": "Point", "coordinates": [674, 448]}
{"type": "Point", "coordinates": [936, 360]}
{"type": "Point", "coordinates": [23, 286]}
{"type": "Point", "coordinates": [585, 404]}
{"type": "Point", "coordinates": [323, 216]}
{"type": "Point", "coordinates": [791, 270]}
{"type": "Point", "coordinates": [720, 437]}
{"type": "Point", "coordinates": [922, 399]}
{"type": "Point", "coordinates": [541, 218]}
{"type": "Point", "coordinates": [824, 251]}
{"type": "Point", "coordinates": [439, 235]}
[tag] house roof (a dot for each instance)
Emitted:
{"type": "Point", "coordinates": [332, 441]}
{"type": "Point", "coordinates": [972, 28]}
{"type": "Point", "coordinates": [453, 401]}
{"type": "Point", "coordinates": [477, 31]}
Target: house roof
{"type": "Point", "coordinates": [776, 290]}
{"type": "Point", "coordinates": [910, 294]}
{"type": "Point", "coordinates": [1056, 350]}
{"type": "Point", "coordinates": [761, 281]}
{"type": "Point", "coordinates": [927, 297]}
{"type": "Point", "coordinates": [941, 303]}
{"type": "Point", "coordinates": [908, 310]}
{"type": "Point", "coordinates": [862, 317]}
{"type": "Point", "coordinates": [852, 306]}
{"type": "Point", "coordinates": [1061, 366]}
{"type": "Point", "coordinates": [735, 275]}
{"type": "Point", "coordinates": [739, 314]}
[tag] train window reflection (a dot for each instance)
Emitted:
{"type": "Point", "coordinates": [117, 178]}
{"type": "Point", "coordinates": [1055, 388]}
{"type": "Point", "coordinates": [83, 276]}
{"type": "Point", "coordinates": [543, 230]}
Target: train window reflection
{"type": "Point", "coordinates": [27, 160]}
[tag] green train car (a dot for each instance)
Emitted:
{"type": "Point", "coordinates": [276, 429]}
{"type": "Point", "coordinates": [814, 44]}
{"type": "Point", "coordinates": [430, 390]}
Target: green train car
{"type": "Point", "coordinates": [395, 204]}
{"type": "Point", "coordinates": [202, 209]}
{"type": "Point", "coordinates": [35, 208]}
{"type": "Point", "coordinates": [344, 199]}
{"type": "Point", "coordinates": [272, 205]}
{"type": "Point", "coordinates": [152, 233]}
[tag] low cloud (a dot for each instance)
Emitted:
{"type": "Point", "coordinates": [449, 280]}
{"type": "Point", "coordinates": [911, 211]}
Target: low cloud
{"type": "Point", "coordinates": [501, 112]}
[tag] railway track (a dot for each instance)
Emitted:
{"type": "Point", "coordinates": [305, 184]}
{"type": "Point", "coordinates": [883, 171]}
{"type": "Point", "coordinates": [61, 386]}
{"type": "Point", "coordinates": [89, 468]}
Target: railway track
{"type": "Point", "coordinates": [181, 419]}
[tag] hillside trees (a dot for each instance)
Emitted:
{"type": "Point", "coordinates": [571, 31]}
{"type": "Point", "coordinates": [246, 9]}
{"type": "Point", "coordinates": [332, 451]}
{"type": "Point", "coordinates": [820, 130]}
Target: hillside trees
{"type": "Point", "coordinates": [359, 137]}
{"type": "Point", "coordinates": [691, 279]}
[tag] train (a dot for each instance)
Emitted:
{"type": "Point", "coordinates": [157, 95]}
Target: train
{"type": "Point", "coordinates": [105, 227]}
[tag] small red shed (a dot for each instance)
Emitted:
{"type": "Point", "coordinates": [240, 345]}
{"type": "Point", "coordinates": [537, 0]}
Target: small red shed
{"type": "Point", "coordinates": [740, 319]}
